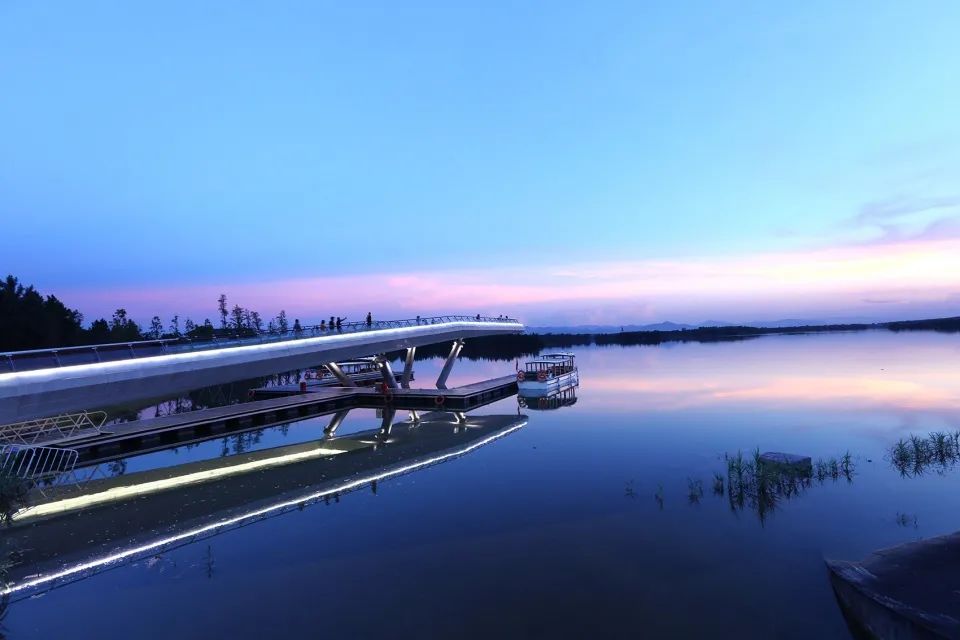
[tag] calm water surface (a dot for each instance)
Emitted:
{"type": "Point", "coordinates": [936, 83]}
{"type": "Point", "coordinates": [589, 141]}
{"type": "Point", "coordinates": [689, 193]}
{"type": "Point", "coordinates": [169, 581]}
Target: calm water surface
{"type": "Point", "coordinates": [587, 521]}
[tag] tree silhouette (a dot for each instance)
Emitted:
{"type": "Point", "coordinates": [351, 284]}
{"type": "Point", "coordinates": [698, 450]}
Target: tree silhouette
{"type": "Point", "coordinates": [156, 328]}
{"type": "Point", "coordinates": [122, 328]}
{"type": "Point", "coordinates": [237, 317]}
{"type": "Point", "coordinates": [30, 321]}
{"type": "Point", "coordinates": [222, 307]}
{"type": "Point", "coordinates": [99, 331]}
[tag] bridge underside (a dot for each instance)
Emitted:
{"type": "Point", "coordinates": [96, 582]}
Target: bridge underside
{"type": "Point", "coordinates": [45, 392]}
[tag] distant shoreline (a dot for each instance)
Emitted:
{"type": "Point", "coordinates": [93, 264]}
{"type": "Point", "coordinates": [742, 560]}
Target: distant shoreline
{"type": "Point", "coordinates": [733, 332]}
{"type": "Point", "coordinates": [509, 347]}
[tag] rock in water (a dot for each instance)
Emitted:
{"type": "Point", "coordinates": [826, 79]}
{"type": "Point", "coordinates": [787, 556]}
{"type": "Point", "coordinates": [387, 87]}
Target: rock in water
{"type": "Point", "coordinates": [785, 459]}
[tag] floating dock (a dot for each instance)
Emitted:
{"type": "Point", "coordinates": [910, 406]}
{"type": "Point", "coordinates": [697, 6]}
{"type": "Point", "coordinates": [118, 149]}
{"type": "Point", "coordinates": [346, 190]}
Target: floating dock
{"type": "Point", "coordinates": [194, 426]}
{"type": "Point", "coordinates": [316, 384]}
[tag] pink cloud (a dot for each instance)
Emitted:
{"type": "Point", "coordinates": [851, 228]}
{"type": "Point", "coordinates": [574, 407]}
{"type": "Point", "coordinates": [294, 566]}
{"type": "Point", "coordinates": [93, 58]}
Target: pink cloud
{"type": "Point", "coordinates": [920, 274]}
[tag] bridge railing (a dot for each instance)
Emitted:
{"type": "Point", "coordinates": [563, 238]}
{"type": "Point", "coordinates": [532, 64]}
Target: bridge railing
{"type": "Point", "coordinates": [88, 354]}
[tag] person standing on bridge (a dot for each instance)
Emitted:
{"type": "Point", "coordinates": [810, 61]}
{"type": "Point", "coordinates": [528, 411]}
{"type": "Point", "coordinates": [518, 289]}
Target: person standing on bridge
{"type": "Point", "coordinates": [339, 321]}
{"type": "Point", "coordinates": [331, 323]}
{"type": "Point", "coordinates": [369, 320]}
{"type": "Point", "coordinates": [323, 325]}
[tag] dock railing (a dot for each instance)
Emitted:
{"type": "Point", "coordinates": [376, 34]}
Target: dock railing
{"type": "Point", "coordinates": [35, 462]}
{"type": "Point", "coordinates": [33, 359]}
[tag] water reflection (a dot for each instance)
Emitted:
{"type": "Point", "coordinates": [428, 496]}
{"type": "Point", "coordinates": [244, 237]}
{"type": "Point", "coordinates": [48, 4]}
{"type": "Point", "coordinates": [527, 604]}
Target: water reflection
{"type": "Point", "coordinates": [70, 532]}
{"type": "Point", "coordinates": [870, 371]}
{"type": "Point", "coordinates": [588, 510]}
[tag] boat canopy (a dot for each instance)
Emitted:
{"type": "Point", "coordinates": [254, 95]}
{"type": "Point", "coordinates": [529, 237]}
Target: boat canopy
{"type": "Point", "coordinates": [553, 365]}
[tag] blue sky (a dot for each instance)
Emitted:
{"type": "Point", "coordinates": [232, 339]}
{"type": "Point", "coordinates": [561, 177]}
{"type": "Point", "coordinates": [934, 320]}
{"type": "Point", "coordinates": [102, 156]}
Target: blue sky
{"type": "Point", "coordinates": [179, 149]}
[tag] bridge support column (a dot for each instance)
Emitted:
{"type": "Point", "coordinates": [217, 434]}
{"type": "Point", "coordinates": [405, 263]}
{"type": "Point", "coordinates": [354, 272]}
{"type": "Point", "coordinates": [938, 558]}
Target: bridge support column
{"type": "Point", "coordinates": [408, 368]}
{"type": "Point", "coordinates": [335, 422]}
{"type": "Point", "coordinates": [388, 378]}
{"type": "Point", "coordinates": [448, 365]}
{"type": "Point", "coordinates": [387, 423]}
{"type": "Point", "coordinates": [340, 375]}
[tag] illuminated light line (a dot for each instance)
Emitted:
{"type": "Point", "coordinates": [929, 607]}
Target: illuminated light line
{"type": "Point", "coordinates": [199, 531]}
{"type": "Point", "coordinates": [153, 486]}
{"type": "Point", "coordinates": [286, 346]}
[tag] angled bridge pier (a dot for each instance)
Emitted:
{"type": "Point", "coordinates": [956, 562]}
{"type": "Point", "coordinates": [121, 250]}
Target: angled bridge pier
{"type": "Point", "coordinates": [448, 365]}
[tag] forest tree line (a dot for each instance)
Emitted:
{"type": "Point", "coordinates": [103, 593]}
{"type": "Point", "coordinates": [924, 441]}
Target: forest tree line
{"type": "Point", "coordinates": [30, 320]}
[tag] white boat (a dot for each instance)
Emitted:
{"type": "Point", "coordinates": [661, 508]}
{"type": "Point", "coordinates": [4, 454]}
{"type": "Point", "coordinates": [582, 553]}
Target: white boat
{"type": "Point", "coordinates": [547, 375]}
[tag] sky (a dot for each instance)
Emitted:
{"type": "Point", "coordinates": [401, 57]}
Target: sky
{"type": "Point", "coordinates": [566, 163]}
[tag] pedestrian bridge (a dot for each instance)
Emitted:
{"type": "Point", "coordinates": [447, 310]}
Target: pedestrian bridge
{"type": "Point", "coordinates": [35, 384]}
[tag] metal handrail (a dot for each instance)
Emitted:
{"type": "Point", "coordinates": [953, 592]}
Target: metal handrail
{"type": "Point", "coordinates": [152, 341]}
{"type": "Point", "coordinates": [184, 343]}
{"type": "Point", "coordinates": [34, 463]}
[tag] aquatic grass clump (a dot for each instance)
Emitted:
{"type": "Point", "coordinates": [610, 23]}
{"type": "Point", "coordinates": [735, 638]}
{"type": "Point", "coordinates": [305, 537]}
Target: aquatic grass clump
{"type": "Point", "coordinates": [919, 448]}
{"type": "Point", "coordinates": [905, 520]}
{"type": "Point", "coordinates": [940, 450]}
{"type": "Point", "coordinates": [694, 490]}
{"type": "Point", "coordinates": [761, 485]}
{"type": "Point", "coordinates": [718, 484]}
{"type": "Point", "coordinates": [900, 454]}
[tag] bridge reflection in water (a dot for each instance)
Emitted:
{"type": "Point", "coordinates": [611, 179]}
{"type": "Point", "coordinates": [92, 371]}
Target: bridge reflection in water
{"type": "Point", "coordinates": [69, 532]}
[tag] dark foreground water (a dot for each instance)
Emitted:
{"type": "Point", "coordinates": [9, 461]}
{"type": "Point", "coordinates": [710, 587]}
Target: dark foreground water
{"type": "Point", "coordinates": [595, 520]}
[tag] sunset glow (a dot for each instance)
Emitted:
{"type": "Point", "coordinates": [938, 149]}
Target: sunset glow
{"type": "Point", "coordinates": [907, 279]}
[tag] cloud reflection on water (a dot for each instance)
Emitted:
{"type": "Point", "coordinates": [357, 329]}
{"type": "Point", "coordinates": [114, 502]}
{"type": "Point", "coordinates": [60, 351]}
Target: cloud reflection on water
{"type": "Point", "coordinates": [855, 372]}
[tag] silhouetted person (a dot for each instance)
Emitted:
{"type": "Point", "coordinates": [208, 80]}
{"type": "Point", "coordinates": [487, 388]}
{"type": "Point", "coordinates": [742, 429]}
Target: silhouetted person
{"type": "Point", "coordinates": [418, 319]}
{"type": "Point", "coordinates": [339, 321]}
{"type": "Point", "coordinates": [369, 319]}
{"type": "Point", "coordinates": [323, 325]}
{"type": "Point", "coordinates": [331, 323]}
{"type": "Point", "coordinates": [297, 329]}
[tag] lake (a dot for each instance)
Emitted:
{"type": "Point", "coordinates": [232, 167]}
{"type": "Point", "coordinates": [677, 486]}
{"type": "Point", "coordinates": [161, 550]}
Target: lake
{"type": "Point", "coordinates": [600, 519]}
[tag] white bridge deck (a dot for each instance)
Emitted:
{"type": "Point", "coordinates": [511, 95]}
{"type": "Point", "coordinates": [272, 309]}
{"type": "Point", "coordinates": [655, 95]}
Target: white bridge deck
{"type": "Point", "coordinates": [25, 395]}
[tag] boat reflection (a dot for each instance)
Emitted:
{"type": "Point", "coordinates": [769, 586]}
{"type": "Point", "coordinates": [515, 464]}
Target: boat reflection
{"type": "Point", "coordinates": [563, 397]}
{"type": "Point", "coordinates": [69, 532]}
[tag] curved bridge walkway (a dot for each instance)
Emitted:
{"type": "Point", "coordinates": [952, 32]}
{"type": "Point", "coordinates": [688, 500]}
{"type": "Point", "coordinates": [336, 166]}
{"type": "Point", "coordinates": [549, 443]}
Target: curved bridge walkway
{"type": "Point", "coordinates": [83, 378]}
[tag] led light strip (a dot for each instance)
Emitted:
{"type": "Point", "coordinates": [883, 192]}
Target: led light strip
{"type": "Point", "coordinates": [347, 339]}
{"type": "Point", "coordinates": [156, 544]}
{"type": "Point", "coordinates": [129, 491]}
